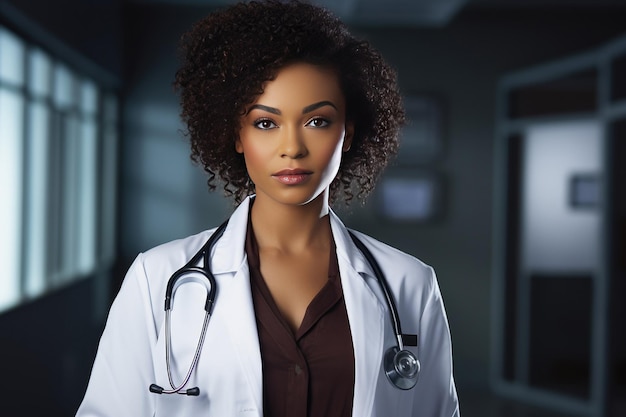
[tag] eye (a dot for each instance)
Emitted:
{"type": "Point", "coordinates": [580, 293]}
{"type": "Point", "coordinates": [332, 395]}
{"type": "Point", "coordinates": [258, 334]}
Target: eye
{"type": "Point", "coordinates": [264, 124]}
{"type": "Point", "coordinates": [318, 122]}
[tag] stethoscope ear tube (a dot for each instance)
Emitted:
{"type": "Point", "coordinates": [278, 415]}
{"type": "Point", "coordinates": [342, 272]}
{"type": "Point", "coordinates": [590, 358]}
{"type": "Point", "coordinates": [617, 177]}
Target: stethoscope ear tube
{"type": "Point", "coordinates": [401, 366]}
{"type": "Point", "coordinates": [191, 267]}
{"type": "Point", "coordinates": [185, 273]}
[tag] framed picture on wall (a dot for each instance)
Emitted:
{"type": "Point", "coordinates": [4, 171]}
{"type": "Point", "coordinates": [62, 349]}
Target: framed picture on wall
{"type": "Point", "coordinates": [409, 195]}
{"type": "Point", "coordinates": [584, 191]}
{"type": "Point", "coordinates": [421, 139]}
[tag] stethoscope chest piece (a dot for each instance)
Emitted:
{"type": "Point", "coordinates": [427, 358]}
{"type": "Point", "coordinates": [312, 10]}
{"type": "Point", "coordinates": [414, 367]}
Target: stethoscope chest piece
{"type": "Point", "coordinates": [401, 367]}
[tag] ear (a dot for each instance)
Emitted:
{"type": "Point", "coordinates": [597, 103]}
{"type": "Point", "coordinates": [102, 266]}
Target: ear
{"type": "Point", "coordinates": [349, 134]}
{"type": "Point", "coordinates": [238, 145]}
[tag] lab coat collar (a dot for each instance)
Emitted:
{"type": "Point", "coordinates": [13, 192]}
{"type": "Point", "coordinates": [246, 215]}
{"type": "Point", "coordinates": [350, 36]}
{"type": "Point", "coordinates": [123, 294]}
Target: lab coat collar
{"type": "Point", "coordinates": [229, 251]}
{"type": "Point", "coordinates": [346, 248]}
{"type": "Point", "coordinates": [366, 313]}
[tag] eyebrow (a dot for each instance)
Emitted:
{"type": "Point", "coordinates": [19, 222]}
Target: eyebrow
{"type": "Point", "coordinates": [305, 110]}
{"type": "Point", "coordinates": [268, 109]}
{"type": "Point", "coordinates": [316, 106]}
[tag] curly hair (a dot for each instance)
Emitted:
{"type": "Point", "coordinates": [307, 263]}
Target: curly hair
{"type": "Point", "coordinates": [227, 58]}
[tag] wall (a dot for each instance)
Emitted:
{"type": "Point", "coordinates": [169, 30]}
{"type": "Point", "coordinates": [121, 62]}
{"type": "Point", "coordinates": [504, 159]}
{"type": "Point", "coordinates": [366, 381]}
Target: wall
{"type": "Point", "coordinates": [88, 30]}
{"type": "Point", "coordinates": [48, 347]}
{"type": "Point", "coordinates": [158, 180]}
{"type": "Point", "coordinates": [461, 64]}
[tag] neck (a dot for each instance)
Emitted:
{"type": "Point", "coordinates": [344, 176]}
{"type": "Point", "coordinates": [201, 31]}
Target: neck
{"type": "Point", "coordinates": [291, 228]}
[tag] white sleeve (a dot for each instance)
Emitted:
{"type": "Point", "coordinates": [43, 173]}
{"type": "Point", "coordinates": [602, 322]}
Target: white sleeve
{"type": "Point", "coordinates": [123, 368]}
{"type": "Point", "coordinates": [436, 394]}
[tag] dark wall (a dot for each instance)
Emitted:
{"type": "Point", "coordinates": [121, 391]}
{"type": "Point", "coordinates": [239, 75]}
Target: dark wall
{"type": "Point", "coordinates": [48, 347]}
{"type": "Point", "coordinates": [89, 29]}
{"type": "Point", "coordinates": [54, 338]}
{"type": "Point", "coordinates": [48, 344]}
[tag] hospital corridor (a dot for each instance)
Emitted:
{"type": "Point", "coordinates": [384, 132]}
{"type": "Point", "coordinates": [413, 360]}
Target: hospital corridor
{"type": "Point", "coordinates": [508, 182]}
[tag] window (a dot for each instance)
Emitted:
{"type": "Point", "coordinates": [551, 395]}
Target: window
{"type": "Point", "coordinates": [57, 172]}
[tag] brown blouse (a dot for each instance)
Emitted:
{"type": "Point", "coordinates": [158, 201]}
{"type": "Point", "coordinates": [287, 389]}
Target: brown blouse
{"type": "Point", "coordinates": [309, 373]}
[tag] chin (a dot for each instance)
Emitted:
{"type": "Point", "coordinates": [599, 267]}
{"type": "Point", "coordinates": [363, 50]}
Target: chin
{"type": "Point", "coordinates": [297, 197]}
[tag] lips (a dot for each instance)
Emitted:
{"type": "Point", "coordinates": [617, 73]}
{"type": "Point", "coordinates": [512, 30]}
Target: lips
{"type": "Point", "coordinates": [292, 176]}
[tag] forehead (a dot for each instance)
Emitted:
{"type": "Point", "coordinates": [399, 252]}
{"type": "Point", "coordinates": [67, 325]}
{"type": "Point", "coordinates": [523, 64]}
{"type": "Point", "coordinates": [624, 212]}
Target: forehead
{"type": "Point", "coordinates": [302, 84]}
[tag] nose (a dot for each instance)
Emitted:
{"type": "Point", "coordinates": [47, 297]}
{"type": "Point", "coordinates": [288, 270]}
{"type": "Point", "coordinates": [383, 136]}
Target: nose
{"type": "Point", "coordinates": [292, 144]}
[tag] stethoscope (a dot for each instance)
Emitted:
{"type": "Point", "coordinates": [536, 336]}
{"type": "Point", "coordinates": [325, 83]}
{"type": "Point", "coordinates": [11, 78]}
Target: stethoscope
{"type": "Point", "coordinates": [401, 365]}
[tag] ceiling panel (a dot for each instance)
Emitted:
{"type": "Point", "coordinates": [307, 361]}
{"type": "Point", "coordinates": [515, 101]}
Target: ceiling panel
{"type": "Point", "coordinates": [366, 12]}
{"type": "Point", "coordinates": [431, 13]}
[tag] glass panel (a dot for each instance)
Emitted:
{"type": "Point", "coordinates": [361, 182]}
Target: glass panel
{"type": "Point", "coordinates": [55, 190]}
{"type": "Point", "coordinates": [571, 94]}
{"type": "Point", "coordinates": [69, 204]}
{"type": "Point", "coordinates": [109, 192]}
{"type": "Point", "coordinates": [11, 58]}
{"type": "Point", "coordinates": [63, 87]}
{"type": "Point", "coordinates": [87, 191]}
{"type": "Point", "coordinates": [618, 78]}
{"type": "Point", "coordinates": [89, 97]}
{"type": "Point", "coordinates": [109, 177]}
{"type": "Point", "coordinates": [38, 168]}
{"type": "Point", "coordinates": [11, 139]}
{"type": "Point", "coordinates": [39, 79]}
{"type": "Point", "coordinates": [557, 236]}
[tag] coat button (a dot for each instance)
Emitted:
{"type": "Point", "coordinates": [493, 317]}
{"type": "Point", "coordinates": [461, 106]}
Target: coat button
{"type": "Point", "coordinates": [297, 369]}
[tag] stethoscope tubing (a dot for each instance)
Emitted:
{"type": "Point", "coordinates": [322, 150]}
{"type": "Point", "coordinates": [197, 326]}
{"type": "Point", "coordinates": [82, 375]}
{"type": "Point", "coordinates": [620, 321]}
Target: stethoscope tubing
{"type": "Point", "coordinates": [396, 358]}
{"type": "Point", "coordinates": [194, 362]}
{"type": "Point", "coordinates": [189, 268]}
{"type": "Point", "coordinates": [378, 273]}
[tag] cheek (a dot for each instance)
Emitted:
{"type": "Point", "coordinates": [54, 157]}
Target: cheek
{"type": "Point", "coordinates": [255, 156]}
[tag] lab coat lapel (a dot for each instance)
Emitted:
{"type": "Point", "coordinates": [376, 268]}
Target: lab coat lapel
{"type": "Point", "coordinates": [234, 295]}
{"type": "Point", "coordinates": [237, 300]}
{"type": "Point", "coordinates": [366, 315]}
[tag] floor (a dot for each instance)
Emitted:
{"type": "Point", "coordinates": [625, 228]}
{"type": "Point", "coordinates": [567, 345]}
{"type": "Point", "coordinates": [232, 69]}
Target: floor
{"type": "Point", "coordinates": [481, 403]}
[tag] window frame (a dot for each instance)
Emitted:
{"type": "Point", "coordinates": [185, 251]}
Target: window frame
{"type": "Point", "coordinates": [52, 247]}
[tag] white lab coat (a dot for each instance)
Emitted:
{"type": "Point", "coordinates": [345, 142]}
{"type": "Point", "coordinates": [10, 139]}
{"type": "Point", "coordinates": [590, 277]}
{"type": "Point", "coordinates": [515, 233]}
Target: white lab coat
{"type": "Point", "coordinates": [131, 354]}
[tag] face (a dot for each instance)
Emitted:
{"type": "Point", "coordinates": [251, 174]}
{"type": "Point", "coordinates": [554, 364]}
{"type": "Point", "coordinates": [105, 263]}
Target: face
{"type": "Point", "coordinates": [292, 137]}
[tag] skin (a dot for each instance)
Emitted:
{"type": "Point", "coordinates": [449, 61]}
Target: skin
{"type": "Point", "coordinates": [292, 138]}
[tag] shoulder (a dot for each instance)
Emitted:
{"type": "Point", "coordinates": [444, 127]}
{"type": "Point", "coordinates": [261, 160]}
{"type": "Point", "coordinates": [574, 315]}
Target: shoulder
{"type": "Point", "coordinates": [174, 254]}
{"type": "Point", "coordinates": [147, 277]}
{"type": "Point", "coordinates": [177, 247]}
{"type": "Point", "coordinates": [398, 265]}
{"type": "Point", "coordinates": [391, 254]}
{"type": "Point", "coordinates": [387, 255]}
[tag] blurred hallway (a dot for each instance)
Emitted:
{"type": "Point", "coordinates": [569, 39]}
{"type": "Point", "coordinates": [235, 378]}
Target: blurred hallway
{"type": "Point", "coordinates": [134, 186]}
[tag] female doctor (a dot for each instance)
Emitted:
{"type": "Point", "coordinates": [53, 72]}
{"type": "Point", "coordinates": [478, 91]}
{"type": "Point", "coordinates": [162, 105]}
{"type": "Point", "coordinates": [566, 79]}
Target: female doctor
{"type": "Point", "coordinates": [290, 112]}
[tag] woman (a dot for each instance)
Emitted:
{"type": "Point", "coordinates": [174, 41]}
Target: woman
{"type": "Point", "coordinates": [290, 112]}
